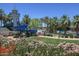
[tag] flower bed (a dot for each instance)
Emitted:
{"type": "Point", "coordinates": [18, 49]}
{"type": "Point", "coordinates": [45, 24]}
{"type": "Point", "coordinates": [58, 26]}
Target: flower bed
{"type": "Point", "coordinates": [6, 46]}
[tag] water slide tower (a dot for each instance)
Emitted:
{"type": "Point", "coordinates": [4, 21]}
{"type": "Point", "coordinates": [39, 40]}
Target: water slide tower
{"type": "Point", "coordinates": [15, 17]}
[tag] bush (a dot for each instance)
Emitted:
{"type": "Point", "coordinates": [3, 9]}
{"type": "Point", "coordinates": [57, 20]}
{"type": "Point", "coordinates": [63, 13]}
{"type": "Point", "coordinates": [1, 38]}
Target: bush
{"type": "Point", "coordinates": [34, 47]}
{"type": "Point", "coordinates": [7, 46]}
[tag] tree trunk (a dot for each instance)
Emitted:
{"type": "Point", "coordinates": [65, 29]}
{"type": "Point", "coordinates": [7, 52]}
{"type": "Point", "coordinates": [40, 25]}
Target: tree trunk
{"type": "Point", "coordinates": [65, 34]}
{"type": "Point", "coordinates": [1, 23]}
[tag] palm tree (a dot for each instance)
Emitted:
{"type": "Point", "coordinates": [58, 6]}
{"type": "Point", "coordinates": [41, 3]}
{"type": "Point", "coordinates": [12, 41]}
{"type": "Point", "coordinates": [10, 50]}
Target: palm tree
{"type": "Point", "coordinates": [1, 16]}
{"type": "Point", "coordinates": [26, 19]}
{"type": "Point", "coordinates": [46, 20]}
{"type": "Point", "coordinates": [65, 23]}
{"type": "Point", "coordinates": [53, 24]}
{"type": "Point", "coordinates": [7, 20]}
{"type": "Point", "coordinates": [76, 23]}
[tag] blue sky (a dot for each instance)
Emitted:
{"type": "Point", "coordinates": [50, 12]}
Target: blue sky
{"type": "Point", "coordinates": [40, 10]}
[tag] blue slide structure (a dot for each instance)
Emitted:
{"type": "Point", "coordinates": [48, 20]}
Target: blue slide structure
{"type": "Point", "coordinates": [21, 28]}
{"type": "Point", "coordinates": [24, 28]}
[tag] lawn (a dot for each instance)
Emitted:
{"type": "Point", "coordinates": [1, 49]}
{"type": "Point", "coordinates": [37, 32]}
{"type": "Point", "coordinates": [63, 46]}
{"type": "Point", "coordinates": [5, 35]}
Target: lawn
{"type": "Point", "coordinates": [54, 41]}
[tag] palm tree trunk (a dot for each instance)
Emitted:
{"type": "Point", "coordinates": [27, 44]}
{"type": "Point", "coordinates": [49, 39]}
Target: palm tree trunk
{"type": "Point", "coordinates": [65, 33]}
{"type": "Point", "coordinates": [1, 23]}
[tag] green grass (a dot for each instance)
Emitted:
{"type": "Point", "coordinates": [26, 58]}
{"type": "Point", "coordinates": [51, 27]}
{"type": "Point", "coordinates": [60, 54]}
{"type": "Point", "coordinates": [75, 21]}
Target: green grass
{"type": "Point", "coordinates": [23, 47]}
{"type": "Point", "coordinates": [55, 41]}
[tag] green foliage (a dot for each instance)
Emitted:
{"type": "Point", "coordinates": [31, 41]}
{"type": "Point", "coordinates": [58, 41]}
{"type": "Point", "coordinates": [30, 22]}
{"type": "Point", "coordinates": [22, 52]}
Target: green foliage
{"type": "Point", "coordinates": [43, 47]}
{"type": "Point", "coordinates": [26, 19]}
{"type": "Point", "coordinates": [34, 24]}
{"type": "Point", "coordinates": [4, 42]}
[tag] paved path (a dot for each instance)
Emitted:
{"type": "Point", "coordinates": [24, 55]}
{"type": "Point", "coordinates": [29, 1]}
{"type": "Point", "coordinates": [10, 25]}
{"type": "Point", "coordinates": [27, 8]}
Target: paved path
{"type": "Point", "coordinates": [59, 38]}
{"type": "Point", "coordinates": [11, 37]}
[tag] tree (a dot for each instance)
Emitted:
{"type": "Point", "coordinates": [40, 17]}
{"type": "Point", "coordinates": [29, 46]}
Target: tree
{"type": "Point", "coordinates": [8, 20]}
{"type": "Point", "coordinates": [46, 20]}
{"type": "Point", "coordinates": [2, 16]}
{"type": "Point", "coordinates": [65, 23]}
{"type": "Point", "coordinates": [76, 23]}
{"type": "Point", "coordinates": [53, 24]}
{"type": "Point", "coordinates": [5, 20]}
{"type": "Point", "coordinates": [26, 19]}
{"type": "Point", "coordinates": [34, 23]}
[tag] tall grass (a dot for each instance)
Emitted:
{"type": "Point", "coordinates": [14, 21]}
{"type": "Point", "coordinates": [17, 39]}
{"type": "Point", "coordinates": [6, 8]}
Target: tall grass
{"type": "Point", "coordinates": [35, 46]}
{"type": "Point", "coordinates": [43, 47]}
